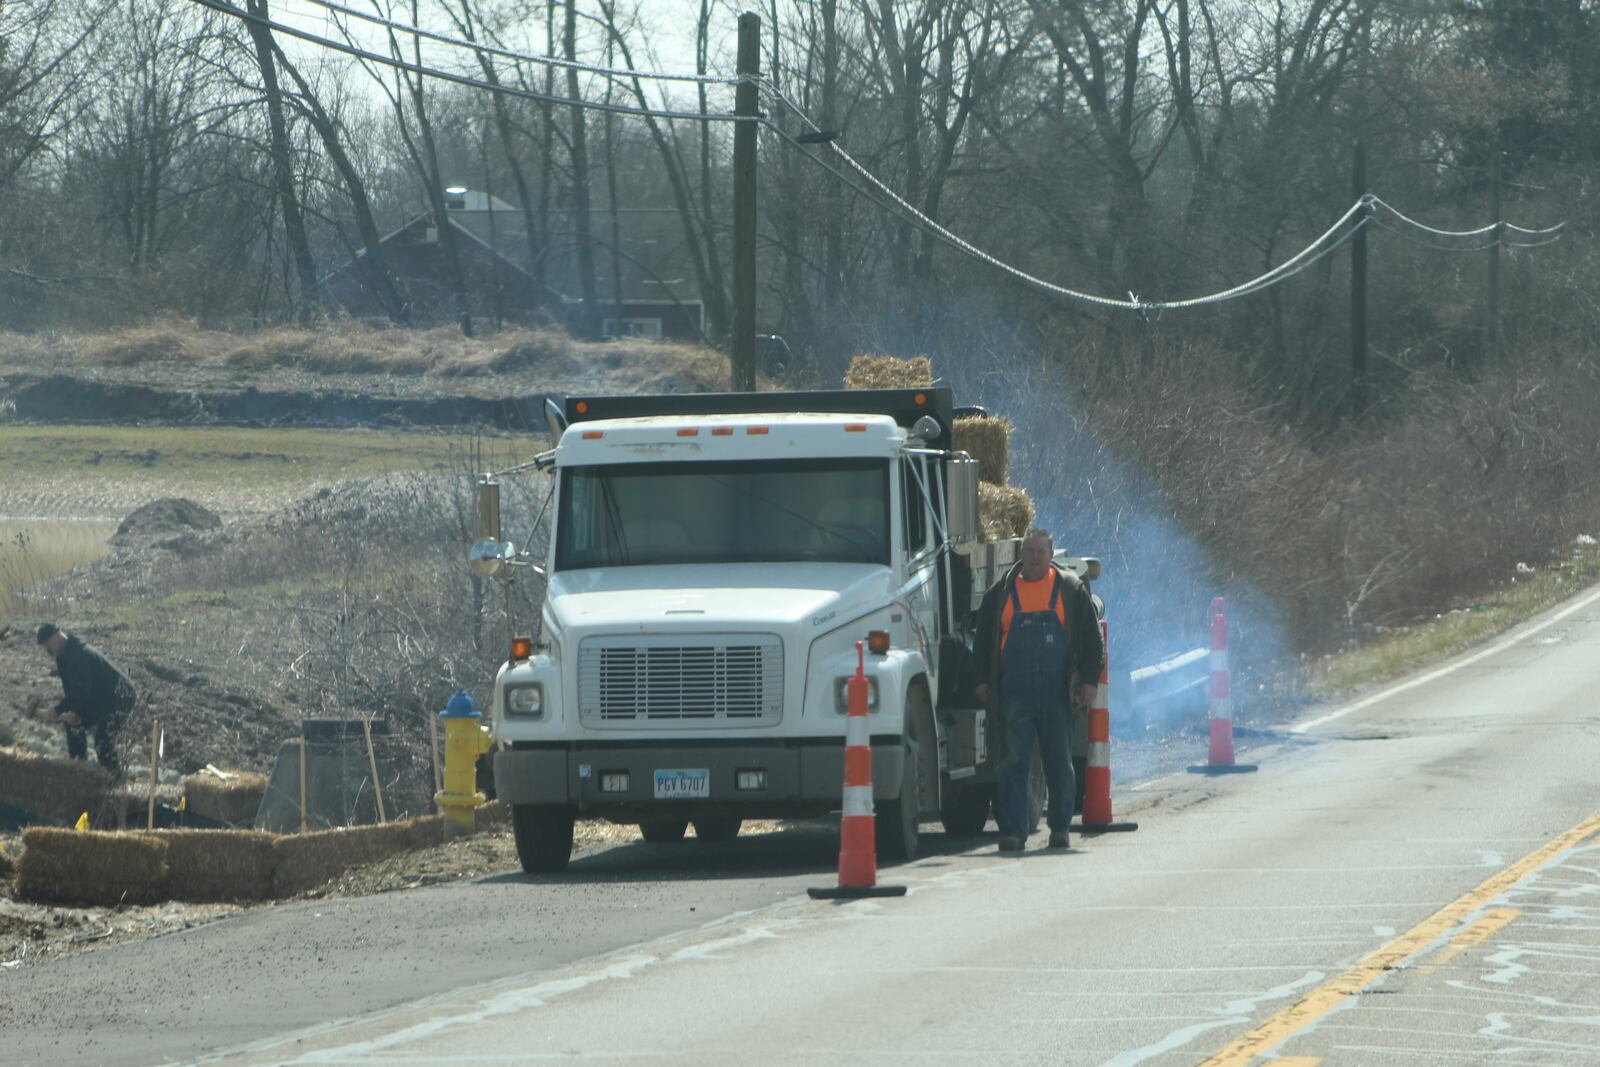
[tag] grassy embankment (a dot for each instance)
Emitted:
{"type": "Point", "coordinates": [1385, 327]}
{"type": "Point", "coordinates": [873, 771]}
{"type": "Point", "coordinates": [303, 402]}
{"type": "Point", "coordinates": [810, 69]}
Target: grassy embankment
{"type": "Point", "coordinates": [1414, 647]}
{"type": "Point", "coordinates": [65, 488]}
{"type": "Point", "coordinates": [36, 549]}
{"type": "Point", "coordinates": [340, 348]}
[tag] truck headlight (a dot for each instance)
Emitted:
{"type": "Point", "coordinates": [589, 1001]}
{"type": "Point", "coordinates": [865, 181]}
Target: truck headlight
{"type": "Point", "coordinates": [842, 695]}
{"type": "Point", "coordinates": [525, 701]}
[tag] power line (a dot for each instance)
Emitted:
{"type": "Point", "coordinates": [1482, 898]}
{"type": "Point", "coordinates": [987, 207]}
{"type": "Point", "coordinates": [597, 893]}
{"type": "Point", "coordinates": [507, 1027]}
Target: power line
{"type": "Point", "coordinates": [879, 192]}
{"type": "Point", "coordinates": [462, 79]}
{"type": "Point", "coordinates": [525, 57]}
{"type": "Point", "coordinates": [1411, 238]}
{"type": "Point", "coordinates": [1481, 231]}
{"type": "Point", "coordinates": [1322, 246]}
{"type": "Point", "coordinates": [1357, 216]}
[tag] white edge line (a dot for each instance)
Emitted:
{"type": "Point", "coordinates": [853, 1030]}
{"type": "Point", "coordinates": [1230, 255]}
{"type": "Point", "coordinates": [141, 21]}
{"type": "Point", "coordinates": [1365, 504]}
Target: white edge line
{"type": "Point", "coordinates": [1442, 671]}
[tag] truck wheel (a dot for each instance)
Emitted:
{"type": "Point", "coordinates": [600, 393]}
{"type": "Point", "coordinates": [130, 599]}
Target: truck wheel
{"type": "Point", "coordinates": [896, 820]}
{"type": "Point", "coordinates": [543, 833]}
{"type": "Point", "coordinates": [966, 811]}
{"type": "Point", "coordinates": [720, 829]}
{"type": "Point", "coordinates": [663, 831]}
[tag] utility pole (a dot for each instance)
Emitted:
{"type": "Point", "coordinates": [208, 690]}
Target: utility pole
{"type": "Point", "coordinates": [1493, 346]}
{"type": "Point", "coordinates": [746, 105]}
{"type": "Point", "coordinates": [1358, 289]}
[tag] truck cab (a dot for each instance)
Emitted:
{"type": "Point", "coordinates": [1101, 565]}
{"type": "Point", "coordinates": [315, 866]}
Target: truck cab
{"type": "Point", "coordinates": [714, 561]}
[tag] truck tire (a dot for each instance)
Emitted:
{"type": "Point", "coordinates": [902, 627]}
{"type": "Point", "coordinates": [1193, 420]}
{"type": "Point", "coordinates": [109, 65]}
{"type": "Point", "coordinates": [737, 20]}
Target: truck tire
{"type": "Point", "coordinates": [896, 820]}
{"type": "Point", "coordinates": [723, 828]}
{"type": "Point", "coordinates": [664, 831]}
{"type": "Point", "coordinates": [966, 810]}
{"type": "Point", "coordinates": [543, 833]}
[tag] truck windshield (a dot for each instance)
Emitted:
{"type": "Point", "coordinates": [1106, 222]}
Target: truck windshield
{"type": "Point", "coordinates": [649, 513]}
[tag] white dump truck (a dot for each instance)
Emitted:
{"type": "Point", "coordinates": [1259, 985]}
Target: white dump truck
{"type": "Point", "coordinates": [714, 559]}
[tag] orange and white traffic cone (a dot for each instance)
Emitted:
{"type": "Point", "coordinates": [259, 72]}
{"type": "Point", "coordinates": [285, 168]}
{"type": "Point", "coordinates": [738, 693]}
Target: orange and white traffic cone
{"type": "Point", "coordinates": [1220, 758]}
{"type": "Point", "coordinates": [858, 850]}
{"type": "Point", "coordinates": [1097, 777]}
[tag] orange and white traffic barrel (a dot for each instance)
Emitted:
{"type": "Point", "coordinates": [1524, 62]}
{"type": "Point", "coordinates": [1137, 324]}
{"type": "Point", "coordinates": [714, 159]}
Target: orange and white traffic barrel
{"type": "Point", "coordinates": [1219, 759]}
{"type": "Point", "coordinates": [1097, 777]}
{"type": "Point", "coordinates": [858, 849]}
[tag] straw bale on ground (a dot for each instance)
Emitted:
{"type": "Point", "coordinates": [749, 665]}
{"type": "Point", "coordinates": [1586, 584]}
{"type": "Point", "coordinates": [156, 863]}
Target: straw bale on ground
{"type": "Point", "coordinates": [53, 789]}
{"type": "Point", "coordinates": [888, 372]}
{"type": "Point", "coordinates": [490, 817]}
{"type": "Point", "coordinates": [234, 801]}
{"type": "Point", "coordinates": [1004, 511]}
{"type": "Point", "coordinates": [987, 440]}
{"type": "Point", "coordinates": [208, 865]}
{"type": "Point", "coordinates": [305, 861]}
{"type": "Point", "coordinates": [92, 867]}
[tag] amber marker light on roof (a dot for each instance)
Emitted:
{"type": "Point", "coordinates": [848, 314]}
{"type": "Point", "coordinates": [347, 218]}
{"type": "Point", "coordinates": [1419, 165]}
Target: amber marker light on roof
{"type": "Point", "coordinates": [593, 435]}
{"type": "Point", "coordinates": [583, 407]}
{"type": "Point", "coordinates": [722, 431]}
{"type": "Point", "coordinates": [521, 647]}
{"type": "Point", "coordinates": [878, 642]}
{"type": "Point", "coordinates": [921, 399]}
{"type": "Point", "coordinates": [855, 427]}
{"type": "Point", "coordinates": [755, 431]}
{"type": "Point", "coordinates": [689, 431]}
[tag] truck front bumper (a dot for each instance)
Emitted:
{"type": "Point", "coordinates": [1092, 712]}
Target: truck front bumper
{"type": "Point", "coordinates": [801, 777]}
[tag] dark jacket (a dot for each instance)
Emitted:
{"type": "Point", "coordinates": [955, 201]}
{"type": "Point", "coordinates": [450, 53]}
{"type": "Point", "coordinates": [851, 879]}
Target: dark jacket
{"type": "Point", "coordinates": [1083, 631]}
{"type": "Point", "coordinates": [92, 686]}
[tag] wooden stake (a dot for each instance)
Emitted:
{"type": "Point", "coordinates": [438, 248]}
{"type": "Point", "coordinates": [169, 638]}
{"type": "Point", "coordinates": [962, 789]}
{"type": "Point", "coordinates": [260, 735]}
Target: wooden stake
{"type": "Point", "coordinates": [372, 762]}
{"type": "Point", "coordinates": [155, 772]}
{"type": "Point", "coordinates": [302, 784]}
{"type": "Point", "coordinates": [433, 750]}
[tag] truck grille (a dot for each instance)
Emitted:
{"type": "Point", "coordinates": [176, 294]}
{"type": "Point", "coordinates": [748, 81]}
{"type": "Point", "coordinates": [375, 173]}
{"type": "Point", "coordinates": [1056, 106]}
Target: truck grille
{"type": "Point", "coordinates": [720, 679]}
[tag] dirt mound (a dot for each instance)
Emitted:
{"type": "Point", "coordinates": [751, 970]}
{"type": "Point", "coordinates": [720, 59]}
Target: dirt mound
{"type": "Point", "coordinates": [169, 515]}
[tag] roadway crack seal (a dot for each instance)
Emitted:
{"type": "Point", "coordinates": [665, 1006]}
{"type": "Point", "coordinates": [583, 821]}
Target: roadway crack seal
{"type": "Point", "coordinates": [1336, 992]}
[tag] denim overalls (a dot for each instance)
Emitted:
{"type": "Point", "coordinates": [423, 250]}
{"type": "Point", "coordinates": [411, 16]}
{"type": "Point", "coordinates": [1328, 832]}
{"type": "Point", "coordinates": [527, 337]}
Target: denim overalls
{"type": "Point", "coordinates": [1035, 700]}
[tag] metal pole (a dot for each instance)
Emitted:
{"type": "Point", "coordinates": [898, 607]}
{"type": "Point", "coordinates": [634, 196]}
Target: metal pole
{"type": "Point", "coordinates": [1358, 291]}
{"type": "Point", "coordinates": [746, 102]}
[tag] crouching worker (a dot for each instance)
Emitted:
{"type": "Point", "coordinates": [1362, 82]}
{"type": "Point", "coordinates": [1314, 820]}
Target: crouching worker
{"type": "Point", "coordinates": [1038, 636]}
{"type": "Point", "coordinates": [96, 695]}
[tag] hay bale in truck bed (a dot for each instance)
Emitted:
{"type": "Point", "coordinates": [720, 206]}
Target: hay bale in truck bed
{"type": "Point", "coordinates": [69, 866]}
{"type": "Point", "coordinates": [1004, 511]}
{"type": "Point", "coordinates": [888, 372]}
{"type": "Point", "coordinates": [987, 440]}
{"type": "Point", "coordinates": [233, 800]}
{"type": "Point", "coordinates": [205, 865]}
{"type": "Point", "coordinates": [55, 790]}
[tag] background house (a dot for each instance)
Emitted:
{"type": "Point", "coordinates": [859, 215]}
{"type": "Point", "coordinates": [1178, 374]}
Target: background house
{"type": "Point", "coordinates": [498, 289]}
{"type": "Point", "coordinates": [644, 276]}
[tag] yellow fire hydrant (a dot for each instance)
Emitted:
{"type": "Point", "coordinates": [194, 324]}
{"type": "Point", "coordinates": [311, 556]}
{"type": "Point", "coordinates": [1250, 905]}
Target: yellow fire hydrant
{"type": "Point", "coordinates": [465, 739]}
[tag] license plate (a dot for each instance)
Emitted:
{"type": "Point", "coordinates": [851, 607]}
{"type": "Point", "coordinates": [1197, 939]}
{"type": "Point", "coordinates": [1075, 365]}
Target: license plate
{"type": "Point", "coordinates": [673, 784]}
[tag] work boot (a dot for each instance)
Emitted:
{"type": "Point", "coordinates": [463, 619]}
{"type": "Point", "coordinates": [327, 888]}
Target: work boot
{"type": "Point", "coordinates": [1058, 839]}
{"type": "Point", "coordinates": [1011, 844]}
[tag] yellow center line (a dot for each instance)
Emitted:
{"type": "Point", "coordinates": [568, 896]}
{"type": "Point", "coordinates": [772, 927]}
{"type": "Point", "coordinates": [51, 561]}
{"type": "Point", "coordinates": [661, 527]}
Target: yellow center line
{"type": "Point", "coordinates": [1476, 933]}
{"type": "Point", "coordinates": [1332, 993]}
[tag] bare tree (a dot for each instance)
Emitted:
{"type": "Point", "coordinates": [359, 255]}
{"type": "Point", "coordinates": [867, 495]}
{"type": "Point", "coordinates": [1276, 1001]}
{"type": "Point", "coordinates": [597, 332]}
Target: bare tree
{"type": "Point", "coordinates": [370, 262]}
{"type": "Point", "coordinates": [294, 226]}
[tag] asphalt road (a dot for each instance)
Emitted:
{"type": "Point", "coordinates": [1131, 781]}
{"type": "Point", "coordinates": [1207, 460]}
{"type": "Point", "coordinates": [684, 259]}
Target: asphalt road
{"type": "Point", "coordinates": [1412, 879]}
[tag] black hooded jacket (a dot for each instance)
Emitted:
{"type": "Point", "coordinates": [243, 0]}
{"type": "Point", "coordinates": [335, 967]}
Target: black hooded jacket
{"type": "Point", "coordinates": [93, 686]}
{"type": "Point", "coordinates": [1083, 631]}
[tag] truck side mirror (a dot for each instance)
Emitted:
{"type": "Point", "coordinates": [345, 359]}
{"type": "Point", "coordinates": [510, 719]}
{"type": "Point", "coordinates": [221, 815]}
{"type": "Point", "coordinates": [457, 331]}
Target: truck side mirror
{"type": "Point", "coordinates": [961, 482]}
